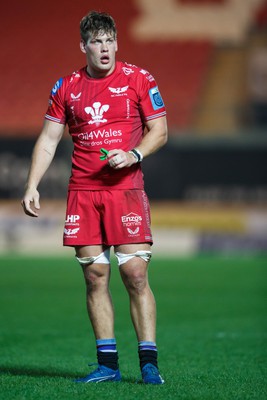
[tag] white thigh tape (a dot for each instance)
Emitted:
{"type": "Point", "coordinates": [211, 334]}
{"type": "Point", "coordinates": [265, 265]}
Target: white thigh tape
{"type": "Point", "coordinates": [123, 258]}
{"type": "Point", "coordinates": [103, 258]}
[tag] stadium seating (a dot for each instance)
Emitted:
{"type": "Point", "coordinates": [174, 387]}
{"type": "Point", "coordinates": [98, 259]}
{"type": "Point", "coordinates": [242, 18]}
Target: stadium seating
{"type": "Point", "coordinates": [47, 46]}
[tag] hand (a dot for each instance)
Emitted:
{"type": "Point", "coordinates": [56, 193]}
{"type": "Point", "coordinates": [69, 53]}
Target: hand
{"type": "Point", "coordinates": [118, 159]}
{"type": "Point", "coordinates": [31, 196]}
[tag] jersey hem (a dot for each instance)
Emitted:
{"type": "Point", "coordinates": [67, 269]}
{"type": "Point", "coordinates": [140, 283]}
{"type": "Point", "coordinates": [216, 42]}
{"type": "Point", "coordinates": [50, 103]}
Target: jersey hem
{"type": "Point", "coordinates": [150, 241]}
{"type": "Point", "coordinates": [83, 188]}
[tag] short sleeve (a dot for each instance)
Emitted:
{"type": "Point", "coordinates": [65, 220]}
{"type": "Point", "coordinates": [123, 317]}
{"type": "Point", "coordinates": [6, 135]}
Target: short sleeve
{"type": "Point", "coordinates": [150, 100]}
{"type": "Point", "coordinates": [56, 105]}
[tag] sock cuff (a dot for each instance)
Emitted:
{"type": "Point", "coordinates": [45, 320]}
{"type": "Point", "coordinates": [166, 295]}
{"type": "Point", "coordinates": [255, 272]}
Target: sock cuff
{"type": "Point", "coordinates": [145, 345]}
{"type": "Point", "coordinates": [106, 345]}
{"type": "Point", "coordinates": [105, 341]}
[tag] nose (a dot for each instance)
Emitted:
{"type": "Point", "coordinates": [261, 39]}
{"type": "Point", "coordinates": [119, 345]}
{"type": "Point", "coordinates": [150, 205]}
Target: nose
{"type": "Point", "coordinates": [104, 47]}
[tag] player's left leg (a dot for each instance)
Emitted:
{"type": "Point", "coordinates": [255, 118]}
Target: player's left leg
{"type": "Point", "coordinates": [134, 273]}
{"type": "Point", "coordinates": [133, 261]}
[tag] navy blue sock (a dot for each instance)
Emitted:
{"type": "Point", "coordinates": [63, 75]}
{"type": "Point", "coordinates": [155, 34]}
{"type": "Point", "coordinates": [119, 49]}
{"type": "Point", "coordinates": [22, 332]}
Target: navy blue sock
{"type": "Point", "coordinates": [148, 353]}
{"type": "Point", "coordinates": [107, 354]}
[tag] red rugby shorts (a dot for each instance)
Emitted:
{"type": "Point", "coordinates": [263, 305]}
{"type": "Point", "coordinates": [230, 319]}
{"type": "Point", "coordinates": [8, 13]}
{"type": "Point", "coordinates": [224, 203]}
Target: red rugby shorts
{"type": "Point", "coordinates": [109, 217]}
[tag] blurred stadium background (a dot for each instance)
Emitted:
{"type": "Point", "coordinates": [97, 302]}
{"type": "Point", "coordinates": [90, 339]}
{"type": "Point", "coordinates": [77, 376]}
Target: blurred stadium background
{"type": "Point", "coordinates": [208, 186]}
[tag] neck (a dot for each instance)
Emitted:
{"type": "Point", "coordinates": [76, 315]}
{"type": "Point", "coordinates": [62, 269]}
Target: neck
{"type": "Point", "coordinates": [99, 74]}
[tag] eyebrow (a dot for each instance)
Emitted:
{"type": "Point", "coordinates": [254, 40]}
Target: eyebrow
{"type": "Point", "coordinates": [98, 37]}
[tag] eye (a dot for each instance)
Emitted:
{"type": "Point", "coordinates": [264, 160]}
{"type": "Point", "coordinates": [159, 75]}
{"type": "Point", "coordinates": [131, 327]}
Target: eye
{"type": "Point", "coordinates": [95, 41]}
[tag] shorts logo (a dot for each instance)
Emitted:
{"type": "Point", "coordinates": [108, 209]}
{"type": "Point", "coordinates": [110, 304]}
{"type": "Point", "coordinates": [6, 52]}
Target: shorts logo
{"type": "Point", "coordinates": [131, 218]}
{"type": "Point", "coordinates": [72, 219]}
{"type": "Point", "coordinates": [72, 226]}
{"type": "Point", "coordinates": [132, 223]}
{"type": "Point", "coordinates": [97, 112]}
{"type": "Point", "coordinates": [156, 98]}
{"type": "Point", "coordinates": [133, 232]}
{"type": "Point", "coordinates": [71, 232]}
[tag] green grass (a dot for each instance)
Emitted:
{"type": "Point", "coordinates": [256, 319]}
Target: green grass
{"type": "Point", "coordinates": [211, 330]}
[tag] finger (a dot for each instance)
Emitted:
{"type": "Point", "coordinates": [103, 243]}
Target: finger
{"type": "Point", "coordinates": [28, 210]}
{"type": "Point", "coordinates": [112, 162]}
{"type": "Point", "coordinates": [36, 203]}
{"type": "Point", "coordinates": [117, 161]}
{"type": "Point", "coordinates": [113, 153]}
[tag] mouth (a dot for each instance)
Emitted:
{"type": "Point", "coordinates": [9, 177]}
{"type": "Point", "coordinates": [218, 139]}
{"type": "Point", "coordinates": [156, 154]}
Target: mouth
{"type": "Point", "coordinates": [104, 59]}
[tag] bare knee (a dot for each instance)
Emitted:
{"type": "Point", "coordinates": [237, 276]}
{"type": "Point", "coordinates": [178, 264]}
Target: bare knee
{"type": "Point", "coordinates": [94, 280]}
{"type": "Point", "coordinates": [133, 269]}
{"type": "Point", "coordinates": [135, 279]}
{"type": "Point", "coordinates": [96, 270]}
{"type": "Point", "coordinates": [96, 277]}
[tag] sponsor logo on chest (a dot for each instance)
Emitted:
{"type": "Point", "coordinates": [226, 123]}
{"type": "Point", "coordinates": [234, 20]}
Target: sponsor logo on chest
{"type": "Point", "coordinates": [119, 91]}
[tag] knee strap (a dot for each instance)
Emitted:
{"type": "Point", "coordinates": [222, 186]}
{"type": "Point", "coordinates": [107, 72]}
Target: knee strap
{"type": "Point", "coordinates": [123, 258]}
{"type": "Point", "coordinates": [103, 258]}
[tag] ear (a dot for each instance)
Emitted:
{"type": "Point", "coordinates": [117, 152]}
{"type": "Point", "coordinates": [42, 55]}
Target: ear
{"type": "Point", "coordinates": [116, 46]}
{"type": "Point", "coordinates": [82, 46]}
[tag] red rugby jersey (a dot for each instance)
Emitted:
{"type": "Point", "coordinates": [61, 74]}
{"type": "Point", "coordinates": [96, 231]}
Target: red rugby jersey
{"type": "Point", "coordinates": [109, 113]}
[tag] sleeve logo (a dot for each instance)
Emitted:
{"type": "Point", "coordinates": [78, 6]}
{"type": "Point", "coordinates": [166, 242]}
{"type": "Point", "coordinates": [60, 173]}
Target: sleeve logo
{"type": "Point", "coordinates": [156, 98]}
{"type": "Point", "coordinates": [57, 86]}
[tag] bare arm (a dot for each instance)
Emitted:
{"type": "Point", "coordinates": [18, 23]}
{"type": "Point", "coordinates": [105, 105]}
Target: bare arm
{"type": "Point", "coordinates": [153, 140]}
{"type": "Point", "coordinates": [42, 156]}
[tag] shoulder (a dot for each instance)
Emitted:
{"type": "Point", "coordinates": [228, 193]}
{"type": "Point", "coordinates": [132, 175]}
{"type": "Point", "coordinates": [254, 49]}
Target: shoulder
{"type": "Point", "coordinates": [63, 82]}
{"type": "Point", "coordinates": [136, 73]}
{"type": "Point", "coordinates": [131, 69]}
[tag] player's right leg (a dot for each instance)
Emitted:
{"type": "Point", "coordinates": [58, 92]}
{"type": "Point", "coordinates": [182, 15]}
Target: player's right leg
{"type": "Point", "coordinates": [95, 264]}
{"type": "Point", "coordinates": [82, 206]}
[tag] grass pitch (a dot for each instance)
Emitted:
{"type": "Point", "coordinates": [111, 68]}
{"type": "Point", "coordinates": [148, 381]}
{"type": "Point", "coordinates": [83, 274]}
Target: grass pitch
{"type": "Point", "coordinates": [211, 330]}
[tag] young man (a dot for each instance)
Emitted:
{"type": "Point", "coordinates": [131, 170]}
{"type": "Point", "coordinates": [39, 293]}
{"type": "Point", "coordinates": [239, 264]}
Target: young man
{"type": "Point", "coordinates": [115, 116]}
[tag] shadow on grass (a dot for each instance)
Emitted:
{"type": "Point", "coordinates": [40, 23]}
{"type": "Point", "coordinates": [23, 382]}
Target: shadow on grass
{"type": "Point", "coordinates": [35, 372]}
{"type": "Point", "coordinates": [45, 372]}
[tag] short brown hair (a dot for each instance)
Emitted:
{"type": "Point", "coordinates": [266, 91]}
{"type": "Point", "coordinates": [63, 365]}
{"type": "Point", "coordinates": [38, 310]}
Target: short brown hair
{"type": "Point", "coordinates": [95, 23]}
